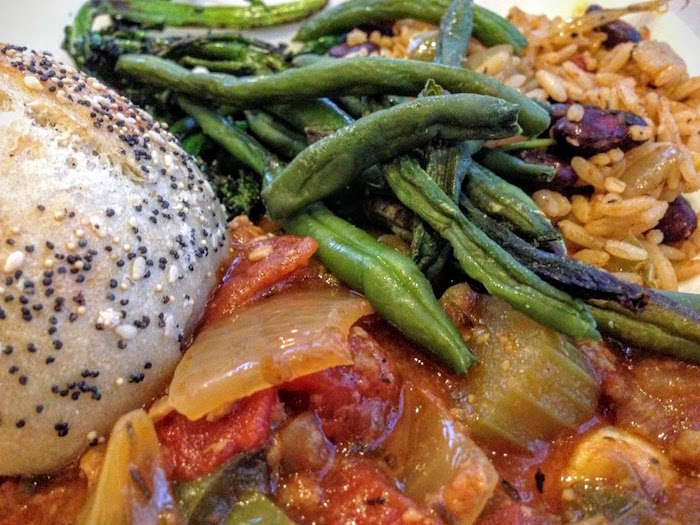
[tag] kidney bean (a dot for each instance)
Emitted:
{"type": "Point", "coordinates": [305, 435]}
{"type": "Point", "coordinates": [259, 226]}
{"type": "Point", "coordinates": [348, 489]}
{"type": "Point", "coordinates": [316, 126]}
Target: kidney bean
{"type": "Point", "coordinates": [598, 131]}
{"type": "Point", "coordinates": [679, 222]}
{"type": "Point", "coordinates": [617, 31]}
{"type": "Point", "coordinates": [341, 50]}
{"type": "Point", "coordinates": [565, 176]}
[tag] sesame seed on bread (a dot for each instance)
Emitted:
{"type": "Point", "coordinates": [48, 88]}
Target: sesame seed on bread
{"type": "Point", "coordinates": [110, 244]}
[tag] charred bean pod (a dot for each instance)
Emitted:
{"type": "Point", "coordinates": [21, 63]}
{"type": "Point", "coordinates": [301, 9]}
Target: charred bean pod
{"type": "Point", "coordinates": [515, 169]}
{"type": "Point", "coordinates": [316, 118]}
{"type": "Point", "coordinates": [635, 330]}
{"type": "Point", "coordinates": [564, 175]}
{"type": "Point", "coordinates": [274, 134]}
{"type": "Point", "coordinates": [664, 322]}
{"type": "Point", "coordinates": [496, 197]}
{"type": "Point", "coordinates": [180, 14]}
{"type": "Point", "coordinates": [455, 30]}
{"type": "Point", "coordinates": [485, 261]}
{"type": "Point", "coordinates": [233, 140]}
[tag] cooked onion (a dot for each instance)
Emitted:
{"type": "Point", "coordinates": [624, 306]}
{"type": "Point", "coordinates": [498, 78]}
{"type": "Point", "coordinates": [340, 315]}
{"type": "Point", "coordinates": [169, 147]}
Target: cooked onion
{"type": "Point", "coordinates": [264, 344]}
{"type": "Point", "coordinates": [132, 487]}
{"type": "Point", "coordinates": [647, 166]}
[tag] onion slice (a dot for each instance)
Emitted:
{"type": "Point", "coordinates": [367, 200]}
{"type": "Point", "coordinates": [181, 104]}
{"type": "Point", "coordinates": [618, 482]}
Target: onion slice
{"type": "Point", "coordinates": [132, 485]}
{"type": "Point", "coordinates": [264, 344]}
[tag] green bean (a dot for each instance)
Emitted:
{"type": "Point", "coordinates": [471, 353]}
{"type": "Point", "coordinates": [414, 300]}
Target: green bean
{"type": "Point", "coordinates": [314, 117]}
{"type": "Point", "coordinates": [355, 106]}
{"type": "Point", "coordinates": [329, 164]}
{"type": "Point", "coordinates": [515, 169]}
{"type": "Point", "coordinates": [178, 14]}
{"type": "Point", "coordinates": [492, 29]}
{"type": "Point", "coordinates": [428, 250]}
{"type": "Point", "coordinates": [498, 198]}
{"type": "Point", "coordinates": [444, 161]}
{"type": "Point", "coordinates": [527, 144]}
{"type": "Point", "coordinates": [235, 67]}
{"type": "Point", "coordinates": [489, 28]}
{"type": "Point", "coordinates": [408, 77]}
{"type": "Point", "coordinates": [635, 315]}
{"type": "Point", "coordinates": [483, 260]}
{"type": "Point", "coordinates": [232, 46]}
{"type": "Point", "coordinates": [392, 283]}
{"type": "Point", "coordinates": [220, 130]}
{"type": "Point", "coordinates": [636, 331]}
{"type": "Point", "coordinates": [455, 30]}
{"type": "Point", "coordinates": [568, 274]}
{"type": "Point", "coordinates": [331, 78]}
{"type": "Point", "coordinates": [274, 134]}
{"type": "Point", "coordinates": [671, 316]}
{"type": "Point", "coordinates": [689, 300]}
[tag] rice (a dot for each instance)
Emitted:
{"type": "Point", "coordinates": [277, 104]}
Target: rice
{"type": "Point", "coordinates": [610, 218]}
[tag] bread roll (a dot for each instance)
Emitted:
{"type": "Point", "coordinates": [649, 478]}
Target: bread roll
{"type": "Point", "coordinates": [110, 242]}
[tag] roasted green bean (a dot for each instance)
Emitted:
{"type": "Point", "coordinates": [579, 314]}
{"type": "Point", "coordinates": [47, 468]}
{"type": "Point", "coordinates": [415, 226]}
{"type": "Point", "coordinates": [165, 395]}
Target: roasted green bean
{"type": "Point", "coordinates": [329, 164]}
{"type": "Point", "coordinates": [218, 129]}
{"type": "Point", "coordinates": [392, 283]}
{"type": "Point", "coordinates": [316, 118]}
{"type": "Point", "coordinates": [634, 330]}
{"type": "Point", "coordinates": [664, 322]}
{"type": "Point", "coordinates": [483, 260]}
{"type": "Point", "coordinates": [510, 204]}
{"type": "Point", "coordinates": [513, 168]}
{"type": "Point", "coordinates": [180, 14]}
{"type": "Point", "coordinates": [274, 134]}
{"type": "Point", "coordinates": [332, 78]}
{"type": "Point", "coordinates": [455, 30]}
{"type": "Point", "coordinates": [490, 28]}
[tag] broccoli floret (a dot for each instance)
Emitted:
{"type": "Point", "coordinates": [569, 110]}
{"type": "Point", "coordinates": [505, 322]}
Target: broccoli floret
{"type": "Point", "coordinates": [239, 195]}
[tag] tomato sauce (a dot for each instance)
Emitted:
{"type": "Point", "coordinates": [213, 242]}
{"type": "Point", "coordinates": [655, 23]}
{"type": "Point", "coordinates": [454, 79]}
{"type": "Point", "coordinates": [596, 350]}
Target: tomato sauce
{"type": "Point", "coordinates": [651, 398]}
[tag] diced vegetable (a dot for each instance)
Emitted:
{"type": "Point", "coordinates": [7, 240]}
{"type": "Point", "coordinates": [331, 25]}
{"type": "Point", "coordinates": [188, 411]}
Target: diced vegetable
{"type": "Point", "coordinates": [258, 264]}
{"type": "Point", "coordinates": [361, 490]}
{"type": "Point", "coordinates": [302, 445]}
{"type": "Point", "coordinates": [617, 475]}
{"type": "Point", "coordinates": [435, 461]}
{"type": "Point", "coordinates": [209, 499]}
{"type": "Point", "coordinates": [264, 344]}
{"type": "Point", "coordinates": [533, 383]}
{"type": "Point", "coordinates": [357, 404]}
{"type": "Point", "coordinates": [192, 449]}
{"type": "Point", "coordinates": [132, 487]}
{"type": "Point", "coordinates": [257, 509]}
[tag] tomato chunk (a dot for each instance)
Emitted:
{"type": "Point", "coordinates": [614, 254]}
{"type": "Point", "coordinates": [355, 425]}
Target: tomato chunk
{"type": "Point", "coordinates": [356, 403]}
{"type": "Point", "coordinates": [357, 491]}
{"type": "Point", "coordinates": [257, 265]}
{"type": "Point", "coordinates": [194, 448]}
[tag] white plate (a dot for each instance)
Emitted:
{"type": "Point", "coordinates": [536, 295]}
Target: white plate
{"type": "Point", "coordinates": [39, 24]}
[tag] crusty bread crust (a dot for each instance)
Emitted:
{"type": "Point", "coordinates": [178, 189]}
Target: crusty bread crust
{"type": "Point", "coordinates": [110, 242]}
